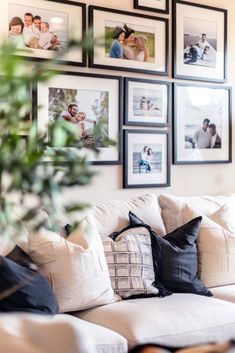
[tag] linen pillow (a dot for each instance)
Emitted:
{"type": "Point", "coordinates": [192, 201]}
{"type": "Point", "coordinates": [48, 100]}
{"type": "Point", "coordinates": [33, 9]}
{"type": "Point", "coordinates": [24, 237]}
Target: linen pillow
{"type": "Point", "coordinates": [216, 248]}
{"type": "Point", "coordinates": [31, 291]}
{"type": "Point", "coordinates": [75, 267]}
{"type": "Point", "coordinates": [225, 216]}
{"type": "Point", "coordinates": [130, 263]}
{"type": "Point", "coordinates": [176, 261]}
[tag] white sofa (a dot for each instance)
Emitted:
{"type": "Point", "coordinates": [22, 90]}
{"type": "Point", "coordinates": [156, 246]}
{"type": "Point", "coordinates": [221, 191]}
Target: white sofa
{"type": "Point", "coordinates": [178, 320]}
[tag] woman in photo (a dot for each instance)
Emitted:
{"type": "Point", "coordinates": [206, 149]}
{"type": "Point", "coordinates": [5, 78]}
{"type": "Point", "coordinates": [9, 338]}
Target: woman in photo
{"type": "Point", "coordinates": [146, 155]}
{"type": "Point", "coordinates": [141, 50]}
{"type": "Point", "coordinates": [116, 50]}
{"type": "Point", "coordinates": [128, 49]}
{"type": "Point", "coordinates": [16, 27]}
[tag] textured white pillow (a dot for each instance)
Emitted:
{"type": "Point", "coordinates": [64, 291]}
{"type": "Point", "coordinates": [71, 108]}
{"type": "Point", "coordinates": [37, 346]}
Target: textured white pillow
{"type": "Point", "coordinates": [77, 272]}
{"type": "Point", "coordinates": [172, 206]}
{"type": "Point", "coordinates": [130, 262]}
{"type": "Point", "coordinates": [225, 216]}
{"type": "Point", "coordinates": [216, 248]}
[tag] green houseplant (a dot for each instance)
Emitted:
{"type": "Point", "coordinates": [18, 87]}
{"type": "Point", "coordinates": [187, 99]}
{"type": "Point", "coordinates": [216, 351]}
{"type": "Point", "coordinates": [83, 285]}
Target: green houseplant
{"type": "Point", "coordinates": [27, 183]}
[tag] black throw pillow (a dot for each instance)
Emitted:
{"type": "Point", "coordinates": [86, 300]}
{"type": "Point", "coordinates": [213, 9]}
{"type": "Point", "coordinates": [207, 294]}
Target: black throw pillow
{"type": "Point", "coordinates": [175, 257]}
{"type": "Point", "coordinates": [26, 288]}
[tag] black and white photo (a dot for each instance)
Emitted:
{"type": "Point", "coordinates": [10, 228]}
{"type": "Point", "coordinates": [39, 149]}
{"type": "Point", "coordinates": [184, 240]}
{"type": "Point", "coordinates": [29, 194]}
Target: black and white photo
{"type": "Point", "coordinates": [161, 6]}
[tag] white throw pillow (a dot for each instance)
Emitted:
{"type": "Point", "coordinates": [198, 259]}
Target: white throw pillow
{"type": "Point", "coordinates": [77, 271]}
{"type": "Point", "coordinates": [130, 263]}
{"type": "Point", "coordinates": [216, 248]}
{"type": "Point", "coordinates": [225, 216]}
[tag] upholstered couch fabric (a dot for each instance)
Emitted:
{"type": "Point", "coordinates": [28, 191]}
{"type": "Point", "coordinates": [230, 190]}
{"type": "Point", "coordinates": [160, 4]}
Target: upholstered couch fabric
{"type": "Point", "coordinates": [177, 320]}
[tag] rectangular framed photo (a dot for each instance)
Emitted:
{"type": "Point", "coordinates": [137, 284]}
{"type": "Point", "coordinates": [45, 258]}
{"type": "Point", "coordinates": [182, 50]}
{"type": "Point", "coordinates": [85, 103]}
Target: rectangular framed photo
{"type": "Point", "coordinates": [146, 159]}
{"type": "Point", "coordinates": [84, 100]}
{"type": "Point", "coordinates": [41, 28]}
{"type": "Point", "coordinates": [128, 41]}
{"type": "Point", "coordinates": [147, 102]}
{"type": "Point", "coordinates": [161, 6]}
{"type": "Point", "coordinates": [202, 124]}
{"type": "Point", "coordinates": [199, 42]}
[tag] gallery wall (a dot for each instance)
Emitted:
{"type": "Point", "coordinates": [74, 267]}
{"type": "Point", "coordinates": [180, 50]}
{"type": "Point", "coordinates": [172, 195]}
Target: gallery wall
{"type": "Point", "coordinates": [206, 179]}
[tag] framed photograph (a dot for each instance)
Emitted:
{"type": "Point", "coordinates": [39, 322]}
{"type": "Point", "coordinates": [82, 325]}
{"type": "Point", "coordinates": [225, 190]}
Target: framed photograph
{"type": "Point", "coordinates": [39, 28]}
{"type": "Point", "coordinates": [202, 124]}
{"type": "Point", "coordinates": [84, 100]}
{"type": "Point", "coordinates": [147, 102]}
{"type": "Point", "coordinates": [199, 42]}
{"type": "Point", "coordinates": [128, 41]}
{"type": "Point", "coordinates": [161, 6]}
{"type": "Point", "coordinates": [146, 159]}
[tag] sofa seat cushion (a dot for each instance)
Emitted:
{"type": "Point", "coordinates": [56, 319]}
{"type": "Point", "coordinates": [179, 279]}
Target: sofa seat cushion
{"type": "Point", "coordinates": [177, 320]}
{"type": "Point", "coordinates": [224, 293]}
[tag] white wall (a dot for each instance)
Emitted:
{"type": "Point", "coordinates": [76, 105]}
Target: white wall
{"type": "Point", "coordinates": [185, 180]}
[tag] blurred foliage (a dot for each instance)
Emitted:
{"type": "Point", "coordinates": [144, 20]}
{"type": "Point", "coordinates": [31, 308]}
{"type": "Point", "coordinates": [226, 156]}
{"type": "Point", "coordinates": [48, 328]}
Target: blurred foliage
{"type": "Point", "coordinates": [27, 182]}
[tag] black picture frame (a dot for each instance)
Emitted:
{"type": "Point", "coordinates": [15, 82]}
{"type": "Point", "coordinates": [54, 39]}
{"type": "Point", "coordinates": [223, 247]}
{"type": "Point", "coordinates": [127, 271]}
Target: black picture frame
{"type": "Point", "coordinates": [165, 102]}
{"type": "Point", "coordinates": [99, 56]}
{"type": "Point", "coordinates": [140, 176]}
{"type": "Point", "coordinates": [139, 6]}
{"type": "Point", "coordinates": [111, 155]}
{"type": "Point", "coordinates": [192, 60]}
{"type": "Point", "coordinates": [215, 104]}
{"type": "Point", "coordinates": [72, 13]}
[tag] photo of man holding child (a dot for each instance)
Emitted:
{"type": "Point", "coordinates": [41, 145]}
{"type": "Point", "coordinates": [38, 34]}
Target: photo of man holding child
{"type": "Point", "coordinates": [36, 28]}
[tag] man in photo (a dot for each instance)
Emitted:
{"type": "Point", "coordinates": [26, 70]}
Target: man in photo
{"type": "Point", "coordinates": [207, 51]}
{"type": "Point", "coordinates": [71, 114]}
{"type": "Point", "coordinates": [146, 155]}
{"type": "Point", "coordinates": [215, 138]}
{"type": "Point", "coordinates": [202, 137]}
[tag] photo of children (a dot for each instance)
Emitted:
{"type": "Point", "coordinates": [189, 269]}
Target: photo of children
{"type": "Point", "coordinates": [83, 108]}
{"type": "Point", "coordinates": [200, 42]}
{"type": "Point", "coordinates": [129, 42]}
{"type": "Point", "coordinates": [147, 102]}
{"type": "Point", "coordinates": [147, 158]}
{"type": "Point", "coordinates": [37, 28]}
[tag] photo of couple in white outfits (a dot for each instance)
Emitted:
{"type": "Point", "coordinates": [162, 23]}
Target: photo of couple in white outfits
{"type": "Point", "coordinates": [37, 28]}
{"type": "Point", "coordinates": [147, 159]}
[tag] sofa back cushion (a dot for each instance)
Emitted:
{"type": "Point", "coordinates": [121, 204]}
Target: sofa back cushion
{"type": "Point", "coordinates": [172, 206]}
{"type": "Point", "coordinates": [76, 267]}
{"type": "Point", "coordinates": [216, 248]}
{"type": "Point", "coordinates": [112, 216]}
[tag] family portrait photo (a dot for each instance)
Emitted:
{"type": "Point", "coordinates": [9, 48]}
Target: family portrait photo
{"type": "Point", "coordinates": [37, 28]}
{"type": "Point", "coordinates": [84, 109]}
{"type": "Point", "coordinates": [147, 158]}
{"type": "Point", "coordinates": [129, 41]}
{"type": "Point", "coordinates": [200, 42]}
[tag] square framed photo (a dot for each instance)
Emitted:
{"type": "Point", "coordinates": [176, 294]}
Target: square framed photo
{"type": "Point", "coordinates": [146, 159]}
{"type": "Point", "coordinates": [202, 124]}
{"type": "Point", "coordinates": [40, 28]}
{"type": "Point", "coordinates": [161, 6]}
{"type": "Point", "coordinates": [199, 42]}
{"type": "Point", "coordinates": [147, 102]}
{"type": "Point", "coordinates": [84, 100]}
{"type": "Point", "coordinates": [128, 41]}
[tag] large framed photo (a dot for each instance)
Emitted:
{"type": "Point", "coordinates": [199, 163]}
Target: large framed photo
{"type": "Point", "coordinates": [146, 159]}
{"type": "Point", "coordinates": [202, 124]}
{"type": "Point", "coordinates": [147, 102]}
{"type": "Point", "coordinates": [199, 42]}
{"type": "Point", "coordinates": [128, 41]}
{"type": "Point", "coordinates": [39, 28]}
{"type": "Point", "coordinates": [161, 6]}
{"type": "Point", "coordinates": [84, 100]}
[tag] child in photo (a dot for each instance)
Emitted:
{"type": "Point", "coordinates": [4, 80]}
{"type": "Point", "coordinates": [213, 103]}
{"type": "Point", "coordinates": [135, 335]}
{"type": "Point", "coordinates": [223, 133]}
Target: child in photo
{"type": "Point", "coordinates": [45, 36]}
{"type": "Point", "coordinates": [16, 27]}
{"type": "Point", "coordinates": [36, 26]}
{"type": "Point", "coordinates": [141, 51]}
{"type": "Point", "coordinates": [81, 116]}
